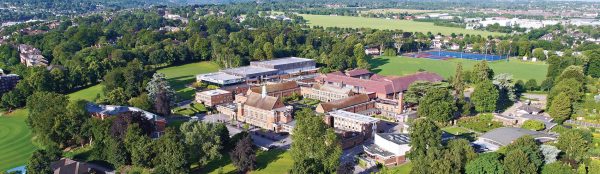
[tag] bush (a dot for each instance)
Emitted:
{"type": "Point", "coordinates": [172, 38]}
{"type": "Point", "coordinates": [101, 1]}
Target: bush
{"type": "Point", "coordinates": [535, 125]}
{"type": "Point", "coordinates": [480, 123]}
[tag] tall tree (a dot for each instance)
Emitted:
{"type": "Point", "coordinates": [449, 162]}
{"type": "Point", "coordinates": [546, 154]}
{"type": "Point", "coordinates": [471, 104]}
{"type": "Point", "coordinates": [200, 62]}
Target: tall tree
{"type": "Point", "coordinates": [517, 162]}
{"type": "Point", "coordinates": [426, 143]}
{"type": "Point", "coordinates": [243, 155]}
{"type": "Point", "coordinates": [362, 60]}
{"type": "Point", "coordinates": [486, 163]}
{"type": "Point", "coordinates": [205, 138]}
{"type": "Point", "coordinates": [561, 109]}
{"type": "Point", "coordinates": [482, 72]}
{"type": "Point", "coordinates": [438, 105]}
{"type": "Point", "coordinates": [161, 93]}
{"type": "Point", "coordinates": [524, 146]}
{"type": "Point", "coordinates": [140, 146]}
{"type": "Point", "coordinates": [315, 146]}
{"type": "Point", "coordinates": [575, 143]}
{"type": "Point", "coordinates": [506, 90]}
{"type": "Point", "coordinates": [172, 155]}
{"type": "Point", "coordinates": [485, 97]}
{"type": "Point", "coordinates": [570, 87]}
{"type": "Point", "coordinates": [459, 152]}
{"type": "Point", "coordinates": [458, 82]}
{"type": "Point", "coordinates": [45, 117]}
{"type": "Point", "coordinates": [40, 160]}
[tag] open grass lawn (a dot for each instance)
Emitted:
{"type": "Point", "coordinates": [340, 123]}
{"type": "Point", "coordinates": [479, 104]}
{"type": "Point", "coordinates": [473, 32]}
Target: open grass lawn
{"type": "Point", "coordinates": [180, 76]}
{"type": "Point", "coordinates": [456, 130]}
{"type": "Point", "coordinates": [89, 93]}
{"type": "Point", "coordinates": [405, 168]}
{"type": "Point", "coordinates": [406, 65]}
{"type": "Point", "coordinates": [15, 140]}
{"type": "Point", "coordinates": [268, 162]}
{"type": "Point", "coordinates": [378, 23]}
{"type": "Point", "coordinates": [398, 10]}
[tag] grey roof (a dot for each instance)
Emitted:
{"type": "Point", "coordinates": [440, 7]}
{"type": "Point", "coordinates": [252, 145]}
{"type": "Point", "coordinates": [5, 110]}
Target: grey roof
{"type": "Point", "coordinates": [376, 150]}
{"type": "Point", "coordinates": [529, 108]}
{"type": "Point", "coordinates": [249, 71]}
{"type": "Point", "coordinates": [219, 77]}
{"type": "Point", "coordinates": [506, 135]}
{"type": "Point", "coordinates": [395, 137]}
{"type": "Point", "coordinates": [353, 116]}
{"type": "Point", "coordinates": [282, 61]}
{"type": "Point", "coordinates": [115, 110]}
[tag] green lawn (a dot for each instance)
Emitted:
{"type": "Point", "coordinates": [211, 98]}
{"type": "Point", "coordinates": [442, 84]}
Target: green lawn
{"type": "Point", "coordinates": [405, 65]}
{"type": "Point", "coordinates": [89, 93]}
{"type": "Point", "coordinates": [268, 162]}
{"type": "Point", "coordinates": [180, 76]}
{"type": "Point", "coordinates": [456, 130]}
{"type": "Point", "coordinates": [405, 168]}
{"type": "Point", "coordinates": [15, 140]}
{"type": "Point", "coordinates": [378, 23]}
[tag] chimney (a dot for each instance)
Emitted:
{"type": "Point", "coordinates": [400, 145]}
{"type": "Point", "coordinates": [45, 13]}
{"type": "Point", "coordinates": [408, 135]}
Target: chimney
{"type": "Point", "coordinates": [264, 91]}
{"type": "Point", "coordinates": [400, 102]}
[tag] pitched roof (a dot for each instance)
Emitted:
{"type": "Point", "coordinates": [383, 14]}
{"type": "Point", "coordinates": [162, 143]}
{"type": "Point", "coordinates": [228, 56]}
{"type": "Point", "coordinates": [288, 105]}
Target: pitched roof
{"type": "Point", "coordinates": [401, 83]}
{"type": "Point", "coordinates": [382, 84]}
{"type": "Point", "coordinates": [506, 135]}
{"type": "Point", "coordinates": [357, 72]}
{"type": "Point", "coordinates": [529, 108]}
{"type": "Point", "coordinates": [343, 103]}
{"type": "Point", "coordinates": [276, 87]}
{"type": "Point", "coordinates": [266, 103]}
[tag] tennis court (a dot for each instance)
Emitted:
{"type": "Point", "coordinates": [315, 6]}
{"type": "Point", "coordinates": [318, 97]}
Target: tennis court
{"type": "Point", "coordinates": [444, 55]}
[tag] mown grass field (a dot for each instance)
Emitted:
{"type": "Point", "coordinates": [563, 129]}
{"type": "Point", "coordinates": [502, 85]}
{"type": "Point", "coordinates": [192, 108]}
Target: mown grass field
{"type": "Point", "coordinates": [398, 10]}
{"type": "Point", "coordinates": [406, 65]}
{"type": "Point", "coordinates": [268, 162]}
{"type": "Point", "coordinates": [377, 23]}
{"type": "Point", "coordinates": [89, 93]}
{"type": "Point", "coordinates": [180, 76]}
{"type": "Point", "coordinates": [15, 140]}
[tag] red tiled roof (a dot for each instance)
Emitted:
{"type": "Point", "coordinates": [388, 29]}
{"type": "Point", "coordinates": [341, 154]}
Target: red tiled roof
{"type": "Point", "coordinates": [344, 103]}
{"type": "Point", "coordinates": [276, 87]}
{"type": "Point", "coordinates": [357, 72]}
{"type": "Point", "coordinates": [381, 84]}
{"type": "Point", "coordinates": [402, 83]}
{"type": "Point", "coordinates": [265, 103]}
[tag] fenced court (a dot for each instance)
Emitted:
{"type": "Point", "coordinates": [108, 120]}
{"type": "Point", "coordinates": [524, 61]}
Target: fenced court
{"type": "Point", "coordinates": [444, 55]}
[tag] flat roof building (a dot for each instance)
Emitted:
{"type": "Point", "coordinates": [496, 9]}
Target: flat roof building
{"type": "Point", "coordinates": [260, 70]}
{"type": "Point", "coordinates": [288, 65]}
{"type": "Point", "coordinates": [214, 97]}
{"type": "Point", "coordinates": [251, 72]}
{"type": "Point", "coordinates": [389, 148]}
{"type": "Point", "coordinates": [348, 121]}
{"type": "Point", "coordinates": [219, 78]}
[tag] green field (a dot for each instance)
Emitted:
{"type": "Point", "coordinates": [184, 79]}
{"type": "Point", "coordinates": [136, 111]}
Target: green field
{"type": "Point", "coordinates": [273, 161]}
{"type": "Point", "coordinates": [446, 68]}
{"type": "Point", "coordinates": [15, 140]}
{"type": "Point", "coordinates": [180, 76]}
{"type": "Point", "coordinates": [378, 23]}
{"type": "Point", "coordinates": [89, 93]}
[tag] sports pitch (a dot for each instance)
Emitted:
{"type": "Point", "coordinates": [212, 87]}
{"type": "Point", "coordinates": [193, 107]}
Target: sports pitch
{"type": "Point", "coordinates": [389, 24]}
{"type": "Point", "coordinates": [446, 68]}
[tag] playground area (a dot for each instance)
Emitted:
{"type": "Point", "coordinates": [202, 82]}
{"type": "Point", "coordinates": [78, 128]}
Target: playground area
{"type": "Point", "coordinates": [445, 55]}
